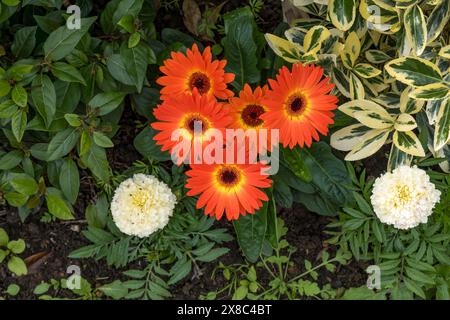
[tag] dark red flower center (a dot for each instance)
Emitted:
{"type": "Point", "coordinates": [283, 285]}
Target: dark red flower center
{"type": "Point", "coordinates": [296, 104]}
{"type": "Point", "coordinates": [251, 115]}
{"type": "Point", "coordinates": [229, 176]}
{"type": "Point", "coordinates": [196, 121]}
{"type": "Point", "coordinates": [200, 81]}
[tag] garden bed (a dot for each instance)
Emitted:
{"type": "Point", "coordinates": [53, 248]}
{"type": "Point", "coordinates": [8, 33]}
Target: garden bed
{"type": "Point", "coordinates": [55, 241]}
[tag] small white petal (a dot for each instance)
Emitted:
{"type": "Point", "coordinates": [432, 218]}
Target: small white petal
{"type": "Point", "coordinates": [142, 205]}
{"type": "Point", "coordinates": [404, 198]}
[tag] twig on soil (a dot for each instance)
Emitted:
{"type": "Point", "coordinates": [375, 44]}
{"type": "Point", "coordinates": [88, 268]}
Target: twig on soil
{"type": "Point", "coordinates": [74, 221]}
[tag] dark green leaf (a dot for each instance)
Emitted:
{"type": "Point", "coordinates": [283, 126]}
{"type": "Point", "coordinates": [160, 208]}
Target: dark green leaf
{"type": "Point", "coordinates": [69, 180]}
{"type": "Point", "coordinates": [107, 102]}
{"type": "Point", "coordinates": [251, 232]}
{"type": "Point", "coordinates": [62, 143]}
{"type": "Point", "coordinates": [24, 184]}
{"type": "Point", "coordinates": [67, 73]}
{"type": "Point", "coordinates": [44, 97]}
{"type": "Point", "coordinates": [24, 42]}
{"type": "Point", "coordinates": [241, 51]}
{"type": "Point", "coordinates": [146, 146]}
{"type": "Point", "coordinates": [19, 124]}
{"type": "Point", "coordinates": [329, 173]}
{"type": "Point", "coordinates": [58, 208]}
{"type": "Point", "coordinates": [63, 40]}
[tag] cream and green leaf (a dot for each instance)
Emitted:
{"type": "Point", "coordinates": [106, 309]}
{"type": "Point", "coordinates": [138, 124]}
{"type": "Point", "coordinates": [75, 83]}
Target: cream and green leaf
{"type": "Point", "coordinates": [390, 63]}
{"type": "Point", "coordinates": [442, 128]}
{"type": "Point", "coordinates": [414, 71]}
{"type": "Point", "coordinates": [416, 28]}
{"type": "Point", "coordinates": [379, 124]}
{"type": "Point", "coordinates": [342, 13]}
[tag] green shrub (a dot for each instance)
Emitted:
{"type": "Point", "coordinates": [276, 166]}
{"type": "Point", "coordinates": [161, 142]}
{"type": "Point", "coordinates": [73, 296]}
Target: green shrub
{"type": "Point", "coordinates": [62, 95]}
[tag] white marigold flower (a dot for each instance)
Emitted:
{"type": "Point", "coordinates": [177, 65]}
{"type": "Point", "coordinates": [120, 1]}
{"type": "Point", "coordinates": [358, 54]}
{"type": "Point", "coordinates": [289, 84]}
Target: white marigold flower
{"type": "Point", "coordinates": [142, 205]}
{"type": "Point", "coordinates": [404, 198]}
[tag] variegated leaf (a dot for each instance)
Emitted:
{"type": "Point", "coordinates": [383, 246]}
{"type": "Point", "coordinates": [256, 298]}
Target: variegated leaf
{"type": "Point", "coordinates": [409, 105]}
{"type": "Point", "coordinates": [289, 51]}
{"type": "Point", "coordinates": [314, 39]}
{"type": "Point", "coordinates": [341, 82]}
{"type": "Point", "coordinates": [444, 66]}
{"type": "Point", "coordinates": [405, 46]}
{"type": "Point", "coordinates": [437, 20]}
{"type": "Point", "coordinates": [376, 85]}
{"type": "Point", "coordinates": [396, 25]}
{"type": "Point", "coordinates": [433, 2]}
{"type": "Point", "coordinates": [377, 56]}
{"type": "Point", "coordinates": [442, 128]}
{"type": "Point", "coordinates": [295, 35]}
{"type": "Point", "coordinates": [416, 28]}
{"type": "Point", "coordinates": [347, 138]}
{"type": "Point", "coordinates": [302, 3]}
{"type": "Point", "coordinates": [445, 52]}
{"type": "Point", "coordinates": [385, 4]}
{"type": "Point", "coordinates": [432, 110]}
{"type": "Point", "coordinates": [434, 91]}
{"type": "Point", "coordinates": [408, 142]}
{"type": "Point", "coordinates": [342, 13]}
{"type": "Point", "coordinates": [404, 4]}
{"type": "Point", "coordinates": [387, 28]}
{"type": "Point", "coordinates": [327, 59]}
{"type": "Point", "coordinates": [390, 100]}
{"type": "Point", "coordinates": [443, 153]}
{"type": "Point", "coordinates": [338, 47]}
{"type": "Point", "coordinates": [349, 108]}
{"type": "Point", "coordinates": [352, 49]}
{"type": "Point", "coordinates": [405, 122]}
{"type": "Point", "coordinates": [308, 23]}
{"type": "Point", "coordinates": [414, 71]}
{"type": "Point", "coordinates": [308, 58]}
{"type": "Point", "coordinates": [359, 26]}
{"type": "Point", "coordinates": [375, 119]}
{"type": "Point", "coordinates": [378, 17]}
{"type": "Point", "coordinates": [356, 87]}
{"type": "Point", "coordinates": [398, 158]}
{"type": "Point", "coordinates": [371, 143]}
{"type": "Point", "coordinates": [365, 70]}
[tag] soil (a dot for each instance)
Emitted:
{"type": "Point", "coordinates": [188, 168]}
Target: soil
{"type": "Point", "coordinates": [52, 242]}
{"type": "Point", "coordinates": [306, 234]}
{"type": "Point", "coordinates": [49, 244]}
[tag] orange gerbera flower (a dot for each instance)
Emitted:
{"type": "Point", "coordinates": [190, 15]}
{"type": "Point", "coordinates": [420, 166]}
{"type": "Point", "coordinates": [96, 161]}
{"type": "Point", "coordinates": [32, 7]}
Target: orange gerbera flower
{"type": "Point", "coordinates": [196, 111]}
{"type": "Point", "coordinates": [233, 189]}
{"type": "Point", "coordinates": [247, 108]}
{"type": "Point", "coordinates": [183, 73]}
{"type": "Point", "coordinates": [246, 111]}
{"type": "Point", "coordinates": [299, 106]}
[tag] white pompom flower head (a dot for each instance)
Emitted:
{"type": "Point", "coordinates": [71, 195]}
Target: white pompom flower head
{"type": "Point", "coordinates": [142, 205]}
{"type": "Point", "coordinates": [404, 197]}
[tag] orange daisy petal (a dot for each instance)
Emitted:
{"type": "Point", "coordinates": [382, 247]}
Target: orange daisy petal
{"type": "Point", "coordinates": [299, 105]}
{"type": "Point", "coordinates": [184, 72]}
{"type": "Point", "coordinates": [197, 110]}
{"type": "Point", "coordinates": [234, 189]}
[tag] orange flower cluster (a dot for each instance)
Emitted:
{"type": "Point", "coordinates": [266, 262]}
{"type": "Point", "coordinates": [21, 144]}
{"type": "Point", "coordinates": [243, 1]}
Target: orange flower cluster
{"type": "Point", "coordinates": [195, 90]}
